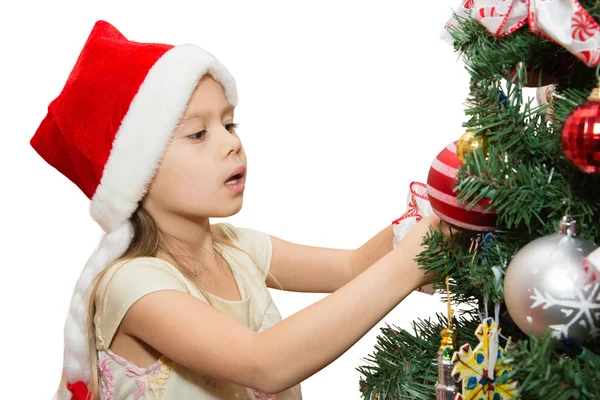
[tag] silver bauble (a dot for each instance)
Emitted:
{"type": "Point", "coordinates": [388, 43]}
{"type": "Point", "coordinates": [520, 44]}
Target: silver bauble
{"type": "Point", "coordinates": [546, 286]}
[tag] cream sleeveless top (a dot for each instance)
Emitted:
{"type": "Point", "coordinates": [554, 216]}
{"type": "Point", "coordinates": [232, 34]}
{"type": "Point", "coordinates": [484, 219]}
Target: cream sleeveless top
{"type": "Point", "coordinates": [128, 281]}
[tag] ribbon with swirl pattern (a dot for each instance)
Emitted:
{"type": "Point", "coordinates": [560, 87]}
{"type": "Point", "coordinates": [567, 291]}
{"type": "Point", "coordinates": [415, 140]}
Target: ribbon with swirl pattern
{"type": "Point", "coordinates": [418, 207]}
{"type": "Point", "coordinates": [564, 22]}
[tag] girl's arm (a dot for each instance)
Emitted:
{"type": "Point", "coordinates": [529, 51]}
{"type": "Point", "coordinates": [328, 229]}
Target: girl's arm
{"type": "Point", "coordinates": [194, 334]}
{"type": "Point", "coordinates": [370, 252]}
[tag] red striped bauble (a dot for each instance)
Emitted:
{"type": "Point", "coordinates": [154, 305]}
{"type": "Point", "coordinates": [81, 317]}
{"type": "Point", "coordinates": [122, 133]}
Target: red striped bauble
{"type": "Point", "coordinates": [440, 182]}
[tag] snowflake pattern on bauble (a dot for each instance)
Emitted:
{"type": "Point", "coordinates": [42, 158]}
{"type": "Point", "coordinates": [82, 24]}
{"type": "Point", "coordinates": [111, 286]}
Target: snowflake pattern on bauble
{"type": "Point", "coordinates": [580, 311]}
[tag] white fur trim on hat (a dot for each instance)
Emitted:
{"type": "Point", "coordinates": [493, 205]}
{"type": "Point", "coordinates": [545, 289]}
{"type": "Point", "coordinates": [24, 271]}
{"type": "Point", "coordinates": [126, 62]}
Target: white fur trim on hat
{"type": "Point", "coordinates": [147, 128]}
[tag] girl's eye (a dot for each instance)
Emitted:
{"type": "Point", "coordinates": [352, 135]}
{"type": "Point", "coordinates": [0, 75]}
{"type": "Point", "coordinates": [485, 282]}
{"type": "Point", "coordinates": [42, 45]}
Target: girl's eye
{"type": "Point", "coordinates": [233, 125]}
{"type": "Point", "coordinates": [200, 135]}
{"type": "Point", "coordinates": [195, 135]}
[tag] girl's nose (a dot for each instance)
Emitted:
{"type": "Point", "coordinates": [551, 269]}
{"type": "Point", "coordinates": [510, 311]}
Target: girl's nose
{"type": "Point", "coordinates": [233, 141]}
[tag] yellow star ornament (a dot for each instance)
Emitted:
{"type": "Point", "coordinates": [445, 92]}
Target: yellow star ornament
{"type": "Point", "coordinates": [478, 368]}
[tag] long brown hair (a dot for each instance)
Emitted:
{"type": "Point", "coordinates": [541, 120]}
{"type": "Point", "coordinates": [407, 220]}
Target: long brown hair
{"type": "Point", "coordinates": [147, 241]}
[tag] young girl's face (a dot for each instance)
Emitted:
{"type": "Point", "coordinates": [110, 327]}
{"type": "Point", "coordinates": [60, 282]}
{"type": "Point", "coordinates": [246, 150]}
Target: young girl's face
{"type": "Point", "coordinates": [202, 155]}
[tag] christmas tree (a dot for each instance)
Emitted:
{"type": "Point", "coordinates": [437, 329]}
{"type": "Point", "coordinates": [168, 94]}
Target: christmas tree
{"type": "Point", "coordinates": [526, 185]}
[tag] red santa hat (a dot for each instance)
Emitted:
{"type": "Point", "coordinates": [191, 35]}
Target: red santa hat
{"type": "Point", "coordinates": [107, 132]}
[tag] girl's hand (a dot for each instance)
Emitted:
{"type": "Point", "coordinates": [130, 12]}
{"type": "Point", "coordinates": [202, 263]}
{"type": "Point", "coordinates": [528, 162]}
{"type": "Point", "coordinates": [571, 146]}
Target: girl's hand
{"type": "Point", "coordinates": [410, 247]}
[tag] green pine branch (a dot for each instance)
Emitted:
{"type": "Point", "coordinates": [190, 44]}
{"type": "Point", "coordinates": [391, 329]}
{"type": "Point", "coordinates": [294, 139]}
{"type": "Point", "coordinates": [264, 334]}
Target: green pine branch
{"type": "Point", "coordinates": [546, 373]}
{"type": "Point", "coordinates": [403, 366]}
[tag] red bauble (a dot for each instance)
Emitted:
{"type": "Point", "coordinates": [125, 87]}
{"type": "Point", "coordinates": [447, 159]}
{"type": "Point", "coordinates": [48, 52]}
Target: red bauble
{"type": "Point", "coordinates": [557, 65]}
{"type": "Point", "coordinates": [581, 137]}
{"type": "Point", "coordinates": [534, 79]}
{"type": "Point", "coordinates": [440, 182]}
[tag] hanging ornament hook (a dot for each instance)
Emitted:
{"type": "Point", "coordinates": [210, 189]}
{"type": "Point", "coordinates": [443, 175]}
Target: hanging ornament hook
{"type": "Point", "coordinates": [568, 226]}
{"type": "Point", "coordinates": [450, 310]}
{"type": "Point", "coordinates": [445, 387]}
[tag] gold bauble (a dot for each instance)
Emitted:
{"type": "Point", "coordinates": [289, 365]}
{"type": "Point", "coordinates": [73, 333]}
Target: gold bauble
{"type": "Point", "coordinates": [468, 143]}
{"type": "Point", "coordinates": [448, 338]}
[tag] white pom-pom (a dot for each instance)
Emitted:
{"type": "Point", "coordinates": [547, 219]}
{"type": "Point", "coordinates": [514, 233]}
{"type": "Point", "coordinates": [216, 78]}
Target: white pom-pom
{"type": "Point", "coordinates": [76, 364]}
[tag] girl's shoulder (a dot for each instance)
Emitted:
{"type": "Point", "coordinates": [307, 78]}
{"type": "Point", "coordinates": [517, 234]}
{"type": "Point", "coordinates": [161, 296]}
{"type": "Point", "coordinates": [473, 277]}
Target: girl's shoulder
{"type": "Point", "coordinates": [123, 284]}
{"type": "Point", "coordinates": [140, 265]}
{"type": "Point", "coordinates": [140, 272]}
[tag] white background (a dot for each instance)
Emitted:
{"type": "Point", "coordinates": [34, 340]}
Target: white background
{"type": "Point", "coordinates": [342, 105]}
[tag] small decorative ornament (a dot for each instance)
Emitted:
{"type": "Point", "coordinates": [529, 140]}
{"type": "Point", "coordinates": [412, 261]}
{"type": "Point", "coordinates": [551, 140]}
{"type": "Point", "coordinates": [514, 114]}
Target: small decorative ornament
{"type": "Point", "coordinates": [547, 286]}
{"type": "Point", "coordinates": [502, 98]}
{"type": "Point", "coordinates": [581, 135]}
{"type": "Point", "coordinates": [445, 387]}
{"type": "Point", "coordinates": [472, 367]}
{"type": "Point", "coordinates": [440, 190]}
{"type": "Point", "coordinates": [470, 142]}
{"type": "Point", "coordinates": [545, 95]}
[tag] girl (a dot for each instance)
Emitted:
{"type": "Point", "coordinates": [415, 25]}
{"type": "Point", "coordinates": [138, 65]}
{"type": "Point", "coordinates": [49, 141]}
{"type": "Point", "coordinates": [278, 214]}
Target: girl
{"type": "Point", "coordinates": [170, 306]}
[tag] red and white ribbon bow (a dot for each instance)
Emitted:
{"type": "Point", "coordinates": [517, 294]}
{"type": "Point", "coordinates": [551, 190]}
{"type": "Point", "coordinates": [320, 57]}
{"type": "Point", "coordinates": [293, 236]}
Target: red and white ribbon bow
{"type": "Point", "coordinates": [418, 207]}
{"type": "Point", "coordinates": [564, 22]}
